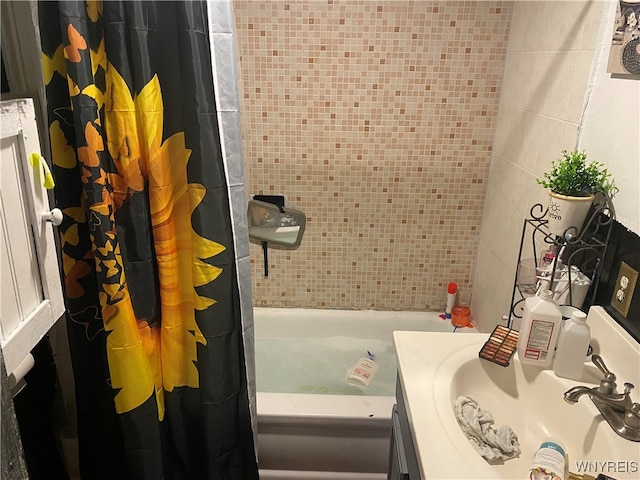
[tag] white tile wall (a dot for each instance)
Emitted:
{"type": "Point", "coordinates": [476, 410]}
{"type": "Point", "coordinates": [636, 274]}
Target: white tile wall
{"type": "Point", "coordinates": [549, 56]}
{"type": "Point", "coordinates": [611, 127]}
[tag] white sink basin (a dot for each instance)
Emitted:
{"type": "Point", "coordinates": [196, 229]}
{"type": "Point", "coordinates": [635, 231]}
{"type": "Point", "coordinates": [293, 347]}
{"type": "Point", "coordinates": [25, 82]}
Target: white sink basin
{"type": "Point", "coordinates": [436, 368]}
{"type": "Point", "coordinates": [530, 401]}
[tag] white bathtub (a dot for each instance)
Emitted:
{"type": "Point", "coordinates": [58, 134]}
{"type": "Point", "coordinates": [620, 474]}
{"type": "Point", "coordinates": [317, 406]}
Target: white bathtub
{"type": "Point", "coordinates": [312, 436]}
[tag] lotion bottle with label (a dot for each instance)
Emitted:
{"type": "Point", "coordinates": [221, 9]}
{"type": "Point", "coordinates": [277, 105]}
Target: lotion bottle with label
{"type": "Point", "coordinates": [363, 371]}
{"type": "Point", "coordinates": [549, 462]}
{"type": "Point", "coordinates": [539, 330]}
{"type": "Point", "coordinates": [573, 344]}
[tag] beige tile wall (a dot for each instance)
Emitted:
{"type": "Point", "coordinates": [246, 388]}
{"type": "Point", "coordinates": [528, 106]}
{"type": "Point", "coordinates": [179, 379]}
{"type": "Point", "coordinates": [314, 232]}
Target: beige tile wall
{"type": "Point", "coordinates": [376, 119]}
{"type": "Point", "coordinates": [549, 57]}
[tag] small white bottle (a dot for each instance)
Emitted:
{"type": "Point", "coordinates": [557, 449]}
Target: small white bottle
{"type": "Point", "coordinates": [452, 290]}
{"type": "Point", "coordinates": [363, 371]}
{"type": "Point", "coordinates": [573, 344]}
{"type": "Point", "coordinates": [539, 330]}
{"type": "Point", "coordinates": [549, 462]}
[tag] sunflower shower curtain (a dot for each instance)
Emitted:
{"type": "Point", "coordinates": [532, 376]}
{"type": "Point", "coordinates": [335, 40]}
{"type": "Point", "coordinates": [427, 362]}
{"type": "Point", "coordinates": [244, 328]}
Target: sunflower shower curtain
{"type": "Point", "coordinates": [147, 244]}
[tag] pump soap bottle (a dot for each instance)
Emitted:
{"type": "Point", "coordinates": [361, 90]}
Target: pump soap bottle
{"type": "Point", "coordinates": [573, 344]}
{"type": "Point", "coordinates": [541, 323]}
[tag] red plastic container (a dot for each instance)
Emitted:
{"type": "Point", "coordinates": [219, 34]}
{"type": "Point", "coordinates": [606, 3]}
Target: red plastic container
{"type": "Point", "coordinates": [461, 316]}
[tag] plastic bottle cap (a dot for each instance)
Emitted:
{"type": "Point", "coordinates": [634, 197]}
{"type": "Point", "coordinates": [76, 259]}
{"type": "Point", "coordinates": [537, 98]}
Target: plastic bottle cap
{"type": "Point", "coordinates": [546, 294]}
{"type": "Point", "coordinates": [452, 287]}
{"type": "Point", "coordinates": [579, 316]}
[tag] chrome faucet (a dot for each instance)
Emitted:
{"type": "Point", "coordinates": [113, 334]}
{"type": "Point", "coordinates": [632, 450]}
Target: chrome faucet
{"type": "Point", "coordinates": [619, 402]}
{"type": "Point", "coordinates": [619, 411]}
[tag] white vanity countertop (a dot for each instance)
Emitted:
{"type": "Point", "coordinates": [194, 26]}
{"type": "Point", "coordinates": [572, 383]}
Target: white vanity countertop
{"type": "Point", "coordinates": [420, 354]}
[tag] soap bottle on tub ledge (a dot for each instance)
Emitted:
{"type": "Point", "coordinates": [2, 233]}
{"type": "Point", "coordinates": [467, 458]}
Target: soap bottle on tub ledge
{"type": "Point", "coordinates": [539, 330]}
{"type": "Point", "coordinates": [452, 291]}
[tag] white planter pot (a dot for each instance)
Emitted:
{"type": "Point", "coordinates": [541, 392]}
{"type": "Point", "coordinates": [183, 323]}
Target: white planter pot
{"type": "Point", "coordinates": [565, 212]}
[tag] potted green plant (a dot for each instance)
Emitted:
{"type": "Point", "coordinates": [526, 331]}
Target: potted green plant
{"type": "Point", "coordinates": [573, 183]}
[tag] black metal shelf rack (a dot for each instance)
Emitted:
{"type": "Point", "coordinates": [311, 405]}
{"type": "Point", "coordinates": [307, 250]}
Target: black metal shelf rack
{"type": "Point", "coordinates": [583, 248]}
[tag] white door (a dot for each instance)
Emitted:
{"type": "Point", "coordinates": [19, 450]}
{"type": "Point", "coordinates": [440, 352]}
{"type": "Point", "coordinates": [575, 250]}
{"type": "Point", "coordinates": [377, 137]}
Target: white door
{"type": "Point", "coordinates": [31, 299]}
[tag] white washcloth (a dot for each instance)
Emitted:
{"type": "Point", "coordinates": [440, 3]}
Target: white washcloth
{"type": "Point", "coordinates": [477, 425]}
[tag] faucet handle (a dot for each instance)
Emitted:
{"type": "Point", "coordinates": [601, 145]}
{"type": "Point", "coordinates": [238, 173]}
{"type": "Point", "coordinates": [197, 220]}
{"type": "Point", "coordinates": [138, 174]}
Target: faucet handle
{"type": "Point", "coordinates": [628, 387]}
{"type": "Point", "coordinates": [631, 418]}
{"type": "Point", "coordinates": [608, 383]}
{"type": "Point", "coordinates": [598, 362]}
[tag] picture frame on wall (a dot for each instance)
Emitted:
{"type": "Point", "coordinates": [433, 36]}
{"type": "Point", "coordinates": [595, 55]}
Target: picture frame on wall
{"type": "Point", "coordinates": [624, 54]}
